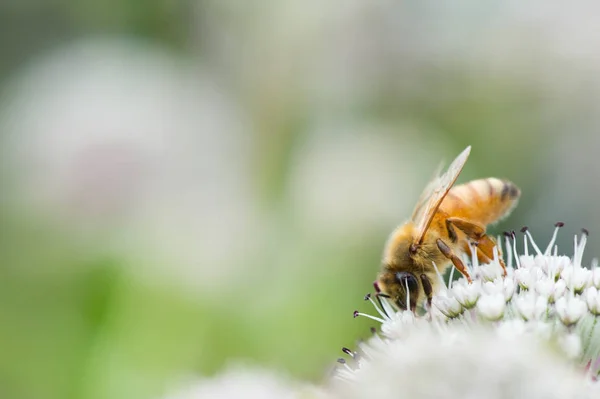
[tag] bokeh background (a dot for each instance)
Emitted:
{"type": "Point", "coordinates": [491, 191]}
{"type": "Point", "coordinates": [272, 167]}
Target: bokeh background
{"type": "Point", "coordinates": [185, 184]}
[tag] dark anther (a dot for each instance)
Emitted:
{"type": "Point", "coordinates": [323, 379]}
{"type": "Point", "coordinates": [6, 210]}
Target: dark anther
{"type": "Point", "coordinates": [585, 231]}
{"type": "Point", "coordinates": [356, 313]}
{"type": "Point", "coordinates": [507, 234]}
{"type": "Point", "coordinates": [367, 297]}
{"type": "Point", "coordinates": [559, 224]}
{"type": "Point", "coordinates": [341, 361]}
{"type": "Point", "coordinates": [373, 330]}
{"type": "Point", "coordinates": [524, 229]}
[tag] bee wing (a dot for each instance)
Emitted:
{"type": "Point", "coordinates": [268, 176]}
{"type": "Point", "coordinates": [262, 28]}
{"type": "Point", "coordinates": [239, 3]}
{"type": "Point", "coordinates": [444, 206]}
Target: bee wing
{"type": "Point", "coordinates": [427, 191]}
{"type": "Point", "coordinates": [434, 194]}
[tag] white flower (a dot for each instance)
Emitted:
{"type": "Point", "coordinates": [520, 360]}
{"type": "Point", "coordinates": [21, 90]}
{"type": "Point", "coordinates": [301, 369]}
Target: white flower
{"type": "Point", "coordinates": [552, 265]}
{"type": "Point", "coordinates": [491, 307]}
{"type": "Point", "coordinates": [570, 310]}
{"type": "Point", "coordinates": [508, 289]}
{"type": "Point", "coordinates": [550, 288]}
{"type": "Point", "coordinates": [592, 299]}
{"type": "Point", "coordinates": [490, 272]}
{"type": "Point", "coordinates": [526, 277]}
{"type": "Point", "coordinates": [539, 299]}
{"type": "Point", "coordinates": [467, 294]}
{"type": "Point", "coordinates": [576, 278]}
{"type": "Point", "coordinates": [571, 345]}
{"type": "Point", "coordinates": [454, 362]}
{"type": "Point", "coordinates": [530, 306]}
{"type": "Point", "coordinates": [513, 328]}
{"type": "Point", "coordinates": [449, 306]}
{"type": "Point", "coordinates": [399, 324]}
{"type": "Point", "coordinates": [595, 274]}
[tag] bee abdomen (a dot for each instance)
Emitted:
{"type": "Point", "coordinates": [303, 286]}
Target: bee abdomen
{"type": "Point", "coordinates": [485, 188]}
{"type": "Point", "coordinates": [484, 200]}
{"type": "Point", "coordinates": [509, 190]}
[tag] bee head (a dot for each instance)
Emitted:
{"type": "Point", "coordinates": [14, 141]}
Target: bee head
{"type": "Point", "coordinates": [403, 288]}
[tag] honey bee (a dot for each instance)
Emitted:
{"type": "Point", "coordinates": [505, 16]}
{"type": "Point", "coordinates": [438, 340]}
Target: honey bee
{"type": "Point", "coordinates": [444, 222]}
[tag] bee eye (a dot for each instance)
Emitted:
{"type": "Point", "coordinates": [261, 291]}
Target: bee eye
{"type": "Point", "coordinates": [408, 279]}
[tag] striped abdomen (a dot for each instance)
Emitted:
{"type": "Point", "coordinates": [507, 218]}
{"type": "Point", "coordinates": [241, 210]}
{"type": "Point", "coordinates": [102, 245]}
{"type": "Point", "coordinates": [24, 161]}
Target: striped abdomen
{"type": "Point", "coordinates": [485, 201]}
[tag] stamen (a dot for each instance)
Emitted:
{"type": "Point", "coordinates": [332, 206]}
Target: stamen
{"type": "Point", "coordinates": [585, 231]}
{"type": "Point", "coordinates": [407, 295]}
{"type": "Point", "coordinates": [474, 258]}
{"type": "Point", "coordinates": [525, 244]}
{"type": "Point", "coordinates": [509, 255]}
{"type": "Point", "coordinates": [533, 244]}
{"type": "Point", "coordinates": [451, 277]}
{"type": "Point", "coordinates": [557, 226]}
{"type": "Point", "coordinates": [578, 255]}
{"type": "Point", "coordinates": [575, 246]}
{"type": "Point", "coordinates": [380, 302]}
{"type": "Point", "coordinates": [349, 352]}
{"type": "Point", "coordinates": [514, 248]}
{"type": "Point", "coordinates": [342, 361]}
{"type": "Point", "coordinates": [385, 305]}
{"type": "Point", "coordinates": [377, 319]}
{"type": "Point", "coordinates": [381, 313]}
{"type": "Point", "coordinates": [496, 252]}
{"type": "Point", "coordinates": [437, 271]}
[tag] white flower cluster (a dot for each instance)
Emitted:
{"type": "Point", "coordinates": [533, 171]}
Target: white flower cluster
{"type": "Point", "coordinates": [531, 334]}
{"type": "Point", "coordinates": [547, 302]}
{"type": "Point", "coordinates": [456, 363]}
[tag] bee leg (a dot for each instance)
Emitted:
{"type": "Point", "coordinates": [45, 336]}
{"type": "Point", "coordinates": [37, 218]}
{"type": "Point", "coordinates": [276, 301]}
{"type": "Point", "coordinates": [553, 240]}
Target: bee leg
{"type": "Point", "coordinates": [427, 288]}
{"type": "Point", "coordinates": [448, 253]}
{"type": "Point", "coordinates": [476, 232]}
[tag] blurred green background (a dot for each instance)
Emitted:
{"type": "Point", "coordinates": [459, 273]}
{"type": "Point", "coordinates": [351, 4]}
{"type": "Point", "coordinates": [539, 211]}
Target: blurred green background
{"type": "Point", "coordinates": [189, 184]}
